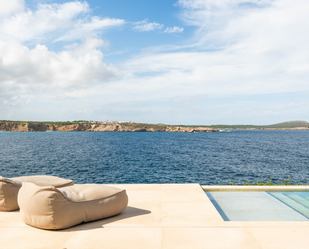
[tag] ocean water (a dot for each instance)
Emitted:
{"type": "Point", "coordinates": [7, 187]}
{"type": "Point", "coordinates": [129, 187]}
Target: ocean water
{"type": "Point", "coordinates": [158, 157]}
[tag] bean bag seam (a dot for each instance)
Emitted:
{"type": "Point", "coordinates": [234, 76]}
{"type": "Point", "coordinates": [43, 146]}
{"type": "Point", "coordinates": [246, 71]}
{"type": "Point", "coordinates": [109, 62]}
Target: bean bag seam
{"type": "Point", "coordinates": [88, 200]}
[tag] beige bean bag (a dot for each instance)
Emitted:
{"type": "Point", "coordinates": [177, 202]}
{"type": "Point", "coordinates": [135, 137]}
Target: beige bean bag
{"type": "Point", "coordinates": [9, 188]}
{"type": "Point", "coordinates": [53, 208]}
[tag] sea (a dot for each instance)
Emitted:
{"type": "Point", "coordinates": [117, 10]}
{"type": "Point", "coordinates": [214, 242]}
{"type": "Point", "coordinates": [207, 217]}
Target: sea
{"type": "Point", "coordinates": [207, 158]}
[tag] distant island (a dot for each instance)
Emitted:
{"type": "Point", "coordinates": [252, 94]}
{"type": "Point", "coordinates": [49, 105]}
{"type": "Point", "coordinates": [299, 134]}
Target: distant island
{"type": "Point", "coordinates": [121, 126]}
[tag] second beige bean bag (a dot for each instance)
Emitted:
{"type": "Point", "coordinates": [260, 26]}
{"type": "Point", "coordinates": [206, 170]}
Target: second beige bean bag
{"type": "Point", "coordinates": [52, 208]}
{"type": "Point", "coordinates": [9, 188]}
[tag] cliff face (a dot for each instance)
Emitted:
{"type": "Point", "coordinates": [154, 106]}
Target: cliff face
{"type": "Point", "coordinates": [24, 127]}
{"type": "Point", "coordinates": [12, 126]}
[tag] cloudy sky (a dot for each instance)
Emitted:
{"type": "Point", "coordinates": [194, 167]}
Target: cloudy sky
{"type": "Point", "coordinates": [166, 61]}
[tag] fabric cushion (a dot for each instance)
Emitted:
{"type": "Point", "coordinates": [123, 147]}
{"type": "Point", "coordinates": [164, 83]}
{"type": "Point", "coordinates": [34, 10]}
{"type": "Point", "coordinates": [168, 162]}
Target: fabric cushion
{"type": "Point", "coordinates": [53, 208]}
{"type": "Point", "coordinates": [9, 188]}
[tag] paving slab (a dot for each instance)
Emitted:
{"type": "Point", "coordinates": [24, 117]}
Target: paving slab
{"type": "Point", "coordinates": [200, 237]}
{"type": "Point", "coordinates": [158, 216]}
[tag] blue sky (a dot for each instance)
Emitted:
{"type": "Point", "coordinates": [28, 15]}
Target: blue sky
{"type": "Point", "coordinates": [124, 40]}
{"type": "Point", "coordinates": [177, 62]}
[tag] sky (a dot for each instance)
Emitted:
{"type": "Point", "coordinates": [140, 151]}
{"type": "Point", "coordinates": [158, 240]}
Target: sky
{"type": "Point", "coordinates": [197, 62]}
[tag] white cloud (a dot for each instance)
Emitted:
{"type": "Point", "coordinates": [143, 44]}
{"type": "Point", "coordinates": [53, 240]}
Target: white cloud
{"type": "Point", "coordinates": [213, 5]}
{"type": "Point", "coordinates": [81, 28]}
{"type": "Point", "coordinates": [78, 67]}
{"type": "Point", "coordinates": [11, 6]}
{"type": "Point", "coordinates": [254, 49]}
{"type": "Point", "coordinates": [24, 70]}
{"type": "Point", "coordinates": [243, 49]}
{"type": "Point", "coordinates": [66, 21]}
{"type": "Point", "coordinates": [147, 26]}
{"type": "Point", "coordinates": [174, 29]}
{"type": "Point", "coordinates": [34, 25]}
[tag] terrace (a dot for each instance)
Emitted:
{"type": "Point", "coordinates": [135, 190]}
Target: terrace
{"type": "Point", "coordinates": [160, 216]}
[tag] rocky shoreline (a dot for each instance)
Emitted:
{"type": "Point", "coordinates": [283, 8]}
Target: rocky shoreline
{"type": "Point", "coordinates": [124, 127]}
{"type": "Point", "coordinates": [33, 127]}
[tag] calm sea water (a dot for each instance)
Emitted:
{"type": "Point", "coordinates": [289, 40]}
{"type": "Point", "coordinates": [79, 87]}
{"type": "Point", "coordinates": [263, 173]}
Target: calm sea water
{"type": "Point", "coordinates": [158, 157]}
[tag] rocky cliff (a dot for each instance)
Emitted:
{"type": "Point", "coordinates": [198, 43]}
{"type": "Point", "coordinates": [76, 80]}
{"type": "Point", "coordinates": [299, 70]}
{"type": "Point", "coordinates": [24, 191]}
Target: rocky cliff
{"type": "Point", "coordinates": [26, 127]}
{"type": "Point", "coordinates": [124, 127]}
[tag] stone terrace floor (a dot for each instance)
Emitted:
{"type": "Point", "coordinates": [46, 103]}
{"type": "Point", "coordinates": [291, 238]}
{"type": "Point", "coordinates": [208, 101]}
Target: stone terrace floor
{"type": "Point", "coordinates": [158, 216]}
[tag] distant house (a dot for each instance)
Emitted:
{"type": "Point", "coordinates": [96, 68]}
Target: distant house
{"type": "Point", "coordinates": [111, 122]}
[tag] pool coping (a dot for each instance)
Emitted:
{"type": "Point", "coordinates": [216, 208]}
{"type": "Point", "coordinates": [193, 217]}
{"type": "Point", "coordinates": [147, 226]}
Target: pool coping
{"type": "Point", "coordinates": [254, 188]}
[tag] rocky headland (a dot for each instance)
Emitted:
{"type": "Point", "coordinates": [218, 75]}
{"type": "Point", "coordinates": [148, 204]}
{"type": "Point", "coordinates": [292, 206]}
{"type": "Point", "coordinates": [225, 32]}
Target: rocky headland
{"type": "Point", "coordinates": [126, 127]}
{"type": "Point", "coordinates": [21, 126]}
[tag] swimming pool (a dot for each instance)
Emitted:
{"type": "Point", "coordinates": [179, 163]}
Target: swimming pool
{"type": "Point", "coordinates": [261, 206]}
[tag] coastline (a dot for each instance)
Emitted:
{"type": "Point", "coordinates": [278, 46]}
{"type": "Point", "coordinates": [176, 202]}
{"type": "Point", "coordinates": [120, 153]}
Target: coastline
{"type": "Point", "coordinates": [12, 126]}
{"type": "Point", "coordinates": [33, 127]}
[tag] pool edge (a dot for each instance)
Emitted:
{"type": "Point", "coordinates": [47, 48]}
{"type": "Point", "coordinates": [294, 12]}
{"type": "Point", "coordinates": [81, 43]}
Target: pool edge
{"type": "Point", "coordinates": [254, 188]}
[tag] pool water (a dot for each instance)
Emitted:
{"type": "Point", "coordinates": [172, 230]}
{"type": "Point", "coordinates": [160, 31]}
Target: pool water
{"type": "Point", "coordinates": [261, 206]}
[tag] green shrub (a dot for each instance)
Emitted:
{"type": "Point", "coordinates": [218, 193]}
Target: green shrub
{"type": "Point", "coordinates": [269, 182]}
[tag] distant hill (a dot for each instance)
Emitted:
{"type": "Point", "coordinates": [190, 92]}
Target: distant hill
{"type": "Point", "coordinates": [290, 124]}
{"type": "Point", "coordinates": [284, 125]}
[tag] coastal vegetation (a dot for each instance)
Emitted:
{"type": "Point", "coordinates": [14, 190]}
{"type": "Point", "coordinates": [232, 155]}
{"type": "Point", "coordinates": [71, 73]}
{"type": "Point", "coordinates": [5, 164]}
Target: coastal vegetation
{"type": "Point", "coordinates": [47, 122]}
{"type": "Point", "coordinates": [269, 182]}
